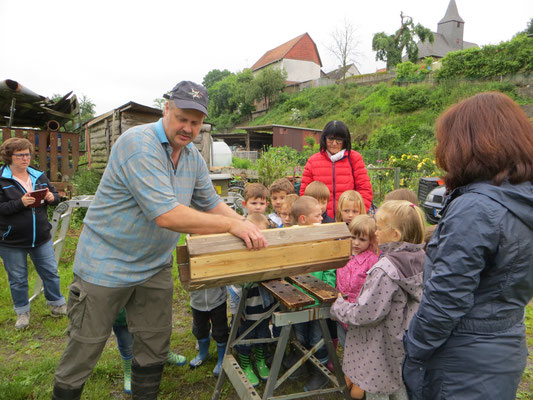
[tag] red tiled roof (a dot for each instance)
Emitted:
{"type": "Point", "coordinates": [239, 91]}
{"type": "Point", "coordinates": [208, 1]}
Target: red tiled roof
{"type": "Point", "coordinates": [300, 48]}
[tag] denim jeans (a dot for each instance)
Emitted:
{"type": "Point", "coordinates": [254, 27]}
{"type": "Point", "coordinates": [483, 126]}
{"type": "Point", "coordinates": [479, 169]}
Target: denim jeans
{"type": "Point", "coordinates": [261, 331]}
{"type": "Point", "coordinates": [124, 341]}
{"type": "Point", "coordinates": [341, 334]}
{"type": "Point", "coordinates": [309, 334]}
{"type": "Point", "coordinates": [16, 264]}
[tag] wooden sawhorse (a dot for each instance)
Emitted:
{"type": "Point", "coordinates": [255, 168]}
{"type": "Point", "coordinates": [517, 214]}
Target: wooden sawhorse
{"type": "Point", "coordinates": [287, 311]}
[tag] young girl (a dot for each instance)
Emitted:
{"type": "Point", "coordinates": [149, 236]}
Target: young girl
{"type": "Point", "coordinates": [351, 277]}
{"type": "Point", "coordinates": [389, 298]}
{"type": "Point", "coordinates": [351, 204]}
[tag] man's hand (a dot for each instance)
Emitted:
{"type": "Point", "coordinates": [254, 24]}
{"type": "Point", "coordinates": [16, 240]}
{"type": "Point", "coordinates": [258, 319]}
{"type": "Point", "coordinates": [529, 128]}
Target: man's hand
{"type": "Point", "coordinates": [251, 234]}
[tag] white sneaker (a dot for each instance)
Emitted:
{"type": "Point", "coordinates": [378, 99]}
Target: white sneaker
{"type": "Point", "coordinates": [59, 311]}
{"type": "Point", "coordinates": [23, 320]}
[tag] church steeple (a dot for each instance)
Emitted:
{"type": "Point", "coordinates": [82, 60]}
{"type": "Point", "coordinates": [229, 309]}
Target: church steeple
{"type": "Point", "coordinates": [451, 26]}
{"type": "Point", "coordinates": [451, 14]}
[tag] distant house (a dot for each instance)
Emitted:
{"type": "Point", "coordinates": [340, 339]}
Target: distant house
{"type": "Point", "coordinates": [298, 57]}
{"type": "Point", "coordinates": [449, 36]}
{"type": "Point", "coordinates": [338, 74]}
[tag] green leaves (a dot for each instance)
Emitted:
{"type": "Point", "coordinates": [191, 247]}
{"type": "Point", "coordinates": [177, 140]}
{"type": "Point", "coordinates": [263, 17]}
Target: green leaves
{"type": "Point", "coordinates": [390, 48]}
{"type": "Point", "coordinates": [505, 58]}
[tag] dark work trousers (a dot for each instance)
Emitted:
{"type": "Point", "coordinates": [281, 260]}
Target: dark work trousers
{"type": "Point", "coordinates": [92, 310]}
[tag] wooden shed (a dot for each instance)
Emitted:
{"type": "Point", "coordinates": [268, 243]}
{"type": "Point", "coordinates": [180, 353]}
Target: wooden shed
{"type": "Point", "coordinates": [102, 132]}
{"type": "Point", "coordinates": [284, 135]}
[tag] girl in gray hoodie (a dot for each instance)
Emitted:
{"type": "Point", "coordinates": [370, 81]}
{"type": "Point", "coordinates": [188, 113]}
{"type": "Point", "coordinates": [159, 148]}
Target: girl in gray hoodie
{"type": "Point", "coordinates": [390, 296]}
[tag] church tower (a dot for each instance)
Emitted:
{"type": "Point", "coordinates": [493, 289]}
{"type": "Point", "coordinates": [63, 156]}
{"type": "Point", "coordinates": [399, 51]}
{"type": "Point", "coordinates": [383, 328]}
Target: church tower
{"type": "Point", "coordinates": [451, 26]}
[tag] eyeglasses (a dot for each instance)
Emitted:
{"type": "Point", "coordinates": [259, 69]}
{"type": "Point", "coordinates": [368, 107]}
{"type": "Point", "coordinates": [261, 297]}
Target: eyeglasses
{"type": "Point", "coordinates": [336, 140]}
{"type": "Point", "coordinates": [23, 155]}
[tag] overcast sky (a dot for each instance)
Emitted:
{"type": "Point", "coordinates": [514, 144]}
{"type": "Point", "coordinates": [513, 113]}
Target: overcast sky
{"type": "Point", "coordinates": [117, 51]}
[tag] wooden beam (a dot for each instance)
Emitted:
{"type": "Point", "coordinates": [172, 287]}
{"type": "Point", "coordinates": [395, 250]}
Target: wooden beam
{"type": "Point", "coordinates": [225, 242]}
{"type": "Point", "coordinates": [210, 265]}
{"type": "Point", "coordinates": [259, 276]}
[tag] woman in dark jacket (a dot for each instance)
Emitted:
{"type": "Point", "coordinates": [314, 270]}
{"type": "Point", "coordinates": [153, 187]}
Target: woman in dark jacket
{"type": "Point", "coordinates": [467, 339]}
{"type": "Point", "coordinates": [337, 166]}
{"type": "Point", "coordinates": [25, 230]}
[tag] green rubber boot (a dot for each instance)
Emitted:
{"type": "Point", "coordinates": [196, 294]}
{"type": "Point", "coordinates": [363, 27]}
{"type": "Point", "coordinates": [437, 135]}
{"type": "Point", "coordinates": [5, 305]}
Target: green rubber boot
{"type": "Point", "coordinates": [260, 364]}
{"type": "Point", "coordinates": [126, 365]}
{"type": "Point", "coordinates": [248, 370]}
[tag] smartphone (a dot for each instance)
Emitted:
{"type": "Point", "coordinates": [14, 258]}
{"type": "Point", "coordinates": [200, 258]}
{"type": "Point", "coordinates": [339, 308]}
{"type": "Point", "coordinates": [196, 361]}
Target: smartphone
{"type": "Point", "coordinates": [38, 195]}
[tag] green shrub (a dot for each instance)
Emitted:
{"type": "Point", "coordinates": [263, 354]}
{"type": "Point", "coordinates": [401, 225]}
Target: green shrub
{"type": "Point", "coordinates": [409, 99]}
{"type": "Point", "coordinates": [240, 163]}
{"type": "Point", "coordinates": [492, 60]}
{"type": "Point", "coordinates": [85, 181]}
{"type": "Point", "coordinates": [271, 165]}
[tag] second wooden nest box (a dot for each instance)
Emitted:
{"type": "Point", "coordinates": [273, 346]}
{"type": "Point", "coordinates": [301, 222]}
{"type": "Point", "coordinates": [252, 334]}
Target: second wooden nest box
{"type": "Point", "coordinates": [222, 259]}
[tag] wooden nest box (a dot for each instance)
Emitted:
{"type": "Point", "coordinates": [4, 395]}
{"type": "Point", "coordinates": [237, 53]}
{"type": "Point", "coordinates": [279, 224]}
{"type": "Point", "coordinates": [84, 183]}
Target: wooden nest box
{"type": "Point", "coordinates": [222, 259]}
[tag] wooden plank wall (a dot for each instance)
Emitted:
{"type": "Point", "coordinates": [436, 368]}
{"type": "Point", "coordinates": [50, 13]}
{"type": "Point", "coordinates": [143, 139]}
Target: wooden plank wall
{"type": "Point", "coordinates": [105, 133]}
{"type": "Point", "coordinates": [49, 149]}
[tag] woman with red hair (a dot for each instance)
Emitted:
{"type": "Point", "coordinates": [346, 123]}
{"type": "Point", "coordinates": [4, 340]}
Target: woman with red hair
{"type": "Point", "coordinates": [467, 339]}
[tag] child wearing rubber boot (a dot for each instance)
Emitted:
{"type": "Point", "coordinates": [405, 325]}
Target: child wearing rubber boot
{"type": "Point", "coordinates": [307, 211]}
{"type": "Point", "coordinates": [258, 301]}
{"type": "Point", "coordinates": [209, 315]}
{"type": "Point", "coordinates": [125, 347]}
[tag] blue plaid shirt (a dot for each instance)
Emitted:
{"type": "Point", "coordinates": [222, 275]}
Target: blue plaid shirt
{"type": "Point", "coordinates": [121, 245]}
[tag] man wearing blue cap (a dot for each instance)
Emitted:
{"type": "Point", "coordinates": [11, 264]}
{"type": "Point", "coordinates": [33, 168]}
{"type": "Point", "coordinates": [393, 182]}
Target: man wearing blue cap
{"type": "Point", "coordinates": [123, 259]}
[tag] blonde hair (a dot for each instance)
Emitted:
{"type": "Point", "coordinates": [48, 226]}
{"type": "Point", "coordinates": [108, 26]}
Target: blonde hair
{"type": "Point", "coordinates": [255, 191]}
{"type": "Point", "coordinates": [406, 218]}
{"type": "Point", "coordinates": [350, 195]}
{"type": "Point", "coordinates": [281, 185]}
{"type": "Point", "coordinates": [259, 220]}
{"type": "Point", "coordinates": [302, 206]}
{"type": "Point", "coordinates": [318, 190]}
{"type": "Point", "coordinates": [402, 194]}
{"type": "Point", "coordinates": [363, 225]}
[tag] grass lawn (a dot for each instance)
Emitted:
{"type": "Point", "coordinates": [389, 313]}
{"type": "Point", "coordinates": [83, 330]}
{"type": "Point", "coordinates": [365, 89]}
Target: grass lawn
{"type": "Point", "coordinates": [28, 358]}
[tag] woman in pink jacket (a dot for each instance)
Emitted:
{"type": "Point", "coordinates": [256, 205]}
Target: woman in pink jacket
{"type": "Point", "coordinates": [337, 166]}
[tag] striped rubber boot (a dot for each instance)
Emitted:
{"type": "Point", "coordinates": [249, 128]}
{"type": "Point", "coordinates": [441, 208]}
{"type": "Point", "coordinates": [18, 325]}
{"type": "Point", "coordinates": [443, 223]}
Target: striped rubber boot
{"type": "Point", "coordinates": [126, 366]}
{"type": "Point", "coordinates": [248, 370]}
{"type": "Point", "coordinates": [260, 365]}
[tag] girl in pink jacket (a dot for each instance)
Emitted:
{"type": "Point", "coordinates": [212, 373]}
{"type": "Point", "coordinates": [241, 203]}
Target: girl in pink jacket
{"type": "Point", "coordinates": [351, 277]}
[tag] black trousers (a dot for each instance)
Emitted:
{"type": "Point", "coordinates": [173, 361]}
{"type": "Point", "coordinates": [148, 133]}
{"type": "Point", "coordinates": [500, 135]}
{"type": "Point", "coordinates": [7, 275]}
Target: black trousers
{"type": "Point", "coordinates": [215, 320]}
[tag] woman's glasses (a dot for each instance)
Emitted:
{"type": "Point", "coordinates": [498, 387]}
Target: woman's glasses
{"type": "Point", "coordinates": [21, 156]}
{"type": "Point", "coordinates": [334, 139]}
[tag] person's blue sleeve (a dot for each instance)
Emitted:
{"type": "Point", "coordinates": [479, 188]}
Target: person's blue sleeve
{"type": "Point", "coordinates": [468, 238]}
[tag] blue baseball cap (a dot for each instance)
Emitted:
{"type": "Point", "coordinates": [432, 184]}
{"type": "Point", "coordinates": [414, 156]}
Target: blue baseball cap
{"type": "Point", "coordinates": [189, 95]}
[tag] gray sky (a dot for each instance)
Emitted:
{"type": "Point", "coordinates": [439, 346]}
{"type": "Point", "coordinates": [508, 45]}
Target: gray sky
{"type": "Point", "coordinates": [117, 51]}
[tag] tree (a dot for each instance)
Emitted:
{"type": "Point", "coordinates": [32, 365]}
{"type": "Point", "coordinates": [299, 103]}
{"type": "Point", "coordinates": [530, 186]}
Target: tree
{"type": "Point", "coordinates": [344, 45]}
{"type": "Point", "coordinates": [390, 48]}
{"type": "Point", "coordinates": [160, 103]}
{"type": "Point", "coordinates": [86, 113]}
{"type": "Point", "coordinates": [214, 76]}
{"type": "Point", "coordinates": [268, 83]}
